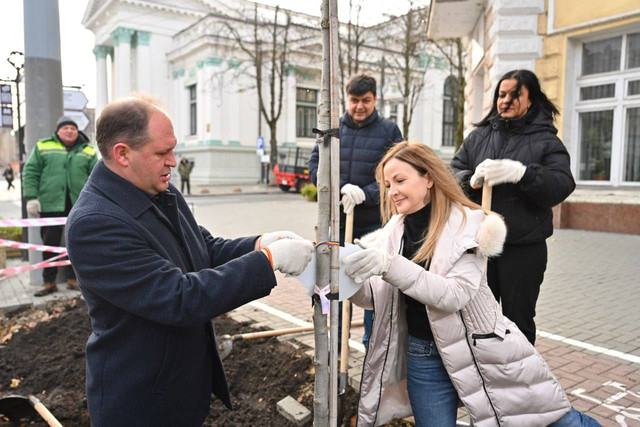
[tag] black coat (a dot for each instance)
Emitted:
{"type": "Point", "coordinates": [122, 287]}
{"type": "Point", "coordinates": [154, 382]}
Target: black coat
{"type": "Point", "coordinates": [8, 173]}
{"type": "Point", "coordinates": [152, 285]}
{"type": "Point", "coordinates": [361, 149]}
{"type": "Point", "coordinates": [525, 206]}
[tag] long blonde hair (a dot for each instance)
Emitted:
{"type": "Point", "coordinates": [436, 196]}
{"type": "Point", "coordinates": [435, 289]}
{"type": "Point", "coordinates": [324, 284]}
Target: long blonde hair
{"type": "Point", "coordinates": [445, 192]}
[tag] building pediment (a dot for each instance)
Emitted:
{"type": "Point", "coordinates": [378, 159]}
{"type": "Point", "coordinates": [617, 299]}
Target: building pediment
{"type": "Point", "coordinates": [97, 8]}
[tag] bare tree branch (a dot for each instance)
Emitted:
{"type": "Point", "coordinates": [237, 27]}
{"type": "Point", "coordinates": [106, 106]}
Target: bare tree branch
{"type": "Point", "coordinates": [269, 58]}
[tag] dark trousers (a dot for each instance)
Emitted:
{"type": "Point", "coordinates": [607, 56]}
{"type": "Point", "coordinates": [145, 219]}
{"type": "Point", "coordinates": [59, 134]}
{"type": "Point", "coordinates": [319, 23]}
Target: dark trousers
{"type": "Point", "coordinates": [10, 184]}
{"type": "Point", "coordinates": [52, 236]}
{"type": "Point", "coordinates": [185, 181]}
{"type": "Point", "coordinates": [515, 278]}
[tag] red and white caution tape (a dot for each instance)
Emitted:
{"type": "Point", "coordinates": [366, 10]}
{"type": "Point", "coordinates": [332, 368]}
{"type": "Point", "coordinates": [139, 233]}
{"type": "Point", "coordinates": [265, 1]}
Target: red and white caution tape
{"type": "Point", "coordinates": [30, 247]}
{"type": "Point", "coordinates": [32, 222]}
{"type": "Point", "coordinates": [51, 262]}
{"type": "Point", "coordinates": [12, 271]}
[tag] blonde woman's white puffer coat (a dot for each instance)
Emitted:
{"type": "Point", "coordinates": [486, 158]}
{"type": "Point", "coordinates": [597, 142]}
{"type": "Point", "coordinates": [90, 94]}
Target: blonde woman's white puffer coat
{"type": "Point", "coordinates": [499, 376]}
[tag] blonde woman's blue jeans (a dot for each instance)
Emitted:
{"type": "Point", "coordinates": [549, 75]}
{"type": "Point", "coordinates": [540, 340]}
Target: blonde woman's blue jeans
{"type": "Point", "coordinates": [433, 398]}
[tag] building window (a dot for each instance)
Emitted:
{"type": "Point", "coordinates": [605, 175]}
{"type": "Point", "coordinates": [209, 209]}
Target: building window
{"type": "Point", "coordinates": [601, 56]}
{"type": "Point", "coordinates": [596, 132]}
{"type": "Point", "coordinates": [393, 113]}
{"type": "Point", "coordinates": [632, 148]}
{"type": "Point", "coordinates": [607, 105]}
{"type": "Point", "coordinates": [193, 110]}
{"type": "Point", "coordinates": [306, 112]}
{"type": "Point", "coordinates": [598, 92]}
{"type": "Point", "coordinates": [449, 112]}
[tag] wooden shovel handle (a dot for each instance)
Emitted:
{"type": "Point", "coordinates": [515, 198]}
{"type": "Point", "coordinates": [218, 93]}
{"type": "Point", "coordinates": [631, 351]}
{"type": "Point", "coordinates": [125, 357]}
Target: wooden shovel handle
{"type": "Point", "coordinates": [486, 195]}
{"type": "Point", "coordinates": [44, 412]}
{"type": "Point", "coordinates": [272, 333]}
{"type": "Point", "coordinates": [346, 305]}
{"type": "Point", "coordinates": [275, 332]}
{"type": "Point", "coordinates": [348, 228]}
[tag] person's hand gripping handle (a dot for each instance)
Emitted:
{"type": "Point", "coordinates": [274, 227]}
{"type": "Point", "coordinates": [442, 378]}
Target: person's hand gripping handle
{"type": "Point", "coordinates": [289, 256]}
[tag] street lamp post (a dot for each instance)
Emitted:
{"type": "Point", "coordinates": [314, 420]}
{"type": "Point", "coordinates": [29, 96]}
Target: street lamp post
{"type": "Point", "coordinates": [16, 59]}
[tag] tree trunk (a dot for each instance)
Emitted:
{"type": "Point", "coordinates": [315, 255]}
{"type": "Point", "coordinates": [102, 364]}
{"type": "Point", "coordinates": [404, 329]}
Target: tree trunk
{"type": "Point", "coordinates": [273, 143]}
{"type": "Point", "coordinates": [406, 75]}
{"type": "Point", "coordinates": [405, 120]}
{"type": "Point", "coordinates": [462, 83]}
{"type": "Point", "coordinates": [382, 86]}
{"type": "Point", "coordinates": [335, 212]}
{"type": "Point", "coordinates": [323, 252]}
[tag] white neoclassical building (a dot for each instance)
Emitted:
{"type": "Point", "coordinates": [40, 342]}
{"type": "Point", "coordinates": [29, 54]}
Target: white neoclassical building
{"type": "Point", "coordinates": [187, 54]}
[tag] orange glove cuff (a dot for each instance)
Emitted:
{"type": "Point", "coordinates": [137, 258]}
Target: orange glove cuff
{"type": "Point", "coordinates": [268, 254]}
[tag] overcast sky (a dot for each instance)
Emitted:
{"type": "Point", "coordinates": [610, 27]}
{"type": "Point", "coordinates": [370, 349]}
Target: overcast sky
{"type": "Point", "coordinates": [78, 61]}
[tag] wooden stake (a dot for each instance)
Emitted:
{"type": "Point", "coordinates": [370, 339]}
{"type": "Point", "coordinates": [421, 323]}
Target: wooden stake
{"type": "Point", "coordinates": [343, 378]}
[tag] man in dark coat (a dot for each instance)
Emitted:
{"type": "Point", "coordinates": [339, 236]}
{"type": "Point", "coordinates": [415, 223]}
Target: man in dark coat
{"type": "Point", "coordinates": [8, 175]}
{"type": "Point", "coordinates": [153, 279]}
{"type": "Point", "coordinates": [364, 138]}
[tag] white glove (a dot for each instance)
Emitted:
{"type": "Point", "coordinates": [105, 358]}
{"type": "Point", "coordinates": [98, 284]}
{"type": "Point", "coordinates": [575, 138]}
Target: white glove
{"type": "Point", "coordinates": [503, 171]}
{"type": "Point", "coordinates": [368, 240]}
{"type": "Point", "coordinates": [290, 256]}
{"type": "Point", "coordinates": [478, 177]}
{"type": "Point", "coordinates": [33, 207]}
{"type": "Point", "coordinates": [352, 195]}
{"type": "Point", "coordinates": [366, 263]}
{"type": "Point", "coordinates": [268, 238]}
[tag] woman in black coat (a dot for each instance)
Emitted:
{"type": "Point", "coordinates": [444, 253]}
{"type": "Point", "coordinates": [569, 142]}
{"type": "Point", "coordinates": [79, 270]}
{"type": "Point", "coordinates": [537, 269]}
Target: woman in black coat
{"type": "Point", "coordinates": [515, 148]}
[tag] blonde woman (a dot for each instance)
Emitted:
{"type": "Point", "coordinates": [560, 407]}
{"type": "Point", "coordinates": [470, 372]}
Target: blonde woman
{"type": "Point", "coordinates": [439, 336]}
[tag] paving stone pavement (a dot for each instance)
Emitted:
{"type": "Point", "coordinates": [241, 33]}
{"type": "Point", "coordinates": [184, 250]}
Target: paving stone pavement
{"type": "Point", "coordinates": [591, 290]}
{"type": "Point", "coordinates": [590, 298]}
{"type": "Point", "coordinates": [16, 291]}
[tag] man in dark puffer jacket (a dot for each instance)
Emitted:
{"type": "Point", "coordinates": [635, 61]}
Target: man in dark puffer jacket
{"type": "Point", "coordinates": [365, 137]}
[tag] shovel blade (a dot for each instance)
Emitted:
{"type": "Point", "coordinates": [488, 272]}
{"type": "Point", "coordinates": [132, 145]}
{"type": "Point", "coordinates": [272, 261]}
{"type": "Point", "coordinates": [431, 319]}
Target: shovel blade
{"type": "Point", "coordinates": [224, 348]}
{"type": "Point", "coordinates": [343, 379]}
{"type": "Point", "coordinates": [17, 408]}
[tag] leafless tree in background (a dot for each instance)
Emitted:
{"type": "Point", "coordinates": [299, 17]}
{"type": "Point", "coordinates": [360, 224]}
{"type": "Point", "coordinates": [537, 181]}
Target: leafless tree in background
{"type": "Point", "coordinates": [268, 49]}
{"type": "Point", "coordinates": [406, 42]}
{"type": "Point", "coordinates": [351, 46]}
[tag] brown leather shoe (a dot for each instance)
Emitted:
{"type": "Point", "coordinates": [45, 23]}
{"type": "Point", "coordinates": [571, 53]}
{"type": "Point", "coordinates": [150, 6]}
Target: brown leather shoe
{"type": "Point", "coordinates": [46, 289]}
{"type": "Point", "coordinates": [73, 285]}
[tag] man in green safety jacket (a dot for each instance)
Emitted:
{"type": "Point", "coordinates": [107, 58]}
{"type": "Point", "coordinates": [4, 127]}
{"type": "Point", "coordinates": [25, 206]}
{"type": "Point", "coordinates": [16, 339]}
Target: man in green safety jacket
{"type": "Point", "coordinates": [55, 172]}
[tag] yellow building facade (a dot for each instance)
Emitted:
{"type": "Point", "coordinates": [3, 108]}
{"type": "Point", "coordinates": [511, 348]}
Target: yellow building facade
{"type": "Point", "coordinates": [587, 56]}
{"type": "Point", "coordinates": [590, 68]}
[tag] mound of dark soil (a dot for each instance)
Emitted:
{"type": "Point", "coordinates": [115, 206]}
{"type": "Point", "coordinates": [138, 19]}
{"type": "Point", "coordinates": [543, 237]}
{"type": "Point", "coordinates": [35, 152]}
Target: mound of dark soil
{"type": "Point", "coordinates": [45, 357]}
{"type": "Point", "coordinates": [43, 354]}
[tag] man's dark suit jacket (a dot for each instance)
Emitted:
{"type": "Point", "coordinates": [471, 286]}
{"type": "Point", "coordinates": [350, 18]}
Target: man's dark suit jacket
{"type": "Point", "coordinates": [153, 280]}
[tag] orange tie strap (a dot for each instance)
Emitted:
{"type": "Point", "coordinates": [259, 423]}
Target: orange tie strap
{"type": "Point", "coordinates": [268, 254]}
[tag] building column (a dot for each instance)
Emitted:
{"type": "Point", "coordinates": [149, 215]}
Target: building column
{"type": "Point", "coordinates": [174, 104]}
{"type": "Point", "coordinates": [102, 96]}
{"type": "Point", "coordinates": [122, 42]}
{"type": "Point", "coordinates": [178, 105]}
{"type": "Point", "coordinates": [200, 100]}
{"type": "Point", "coordinates": [232, 110]}
{"type": "Point", "coordinates": [514, 28]}
{"type": "Point", "coordinates": [143, 61]}
{"type": "Point", "coordinates": [290, 99]}
{"type": "Point", "coordinates": [207, 101]}
{"type": "Point", "coordinates": [213, 101]}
